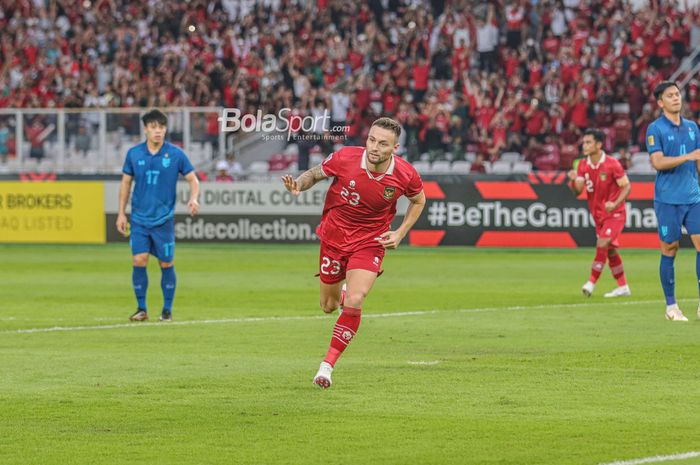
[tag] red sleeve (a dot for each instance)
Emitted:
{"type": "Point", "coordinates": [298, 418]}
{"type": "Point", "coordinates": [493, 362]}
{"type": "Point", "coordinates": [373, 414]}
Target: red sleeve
{"type": "Point", "coordinates": [331, 165]}
{"type": "Point", "coordinates": [415, 185]}
{"type": "Point", "coordinates": [618, 171]}
{"type": "Point", "coordinates": [579, 170]}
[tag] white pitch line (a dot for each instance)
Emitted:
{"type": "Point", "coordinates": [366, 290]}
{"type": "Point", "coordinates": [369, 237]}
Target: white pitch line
{"type": "Point", "coordinates": [656, 459]}
{"type": "Point", "coordinates": [317, 317]}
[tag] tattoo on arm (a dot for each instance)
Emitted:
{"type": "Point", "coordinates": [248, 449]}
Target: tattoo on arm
{"type": "Point", "coordinates": [310, 177]}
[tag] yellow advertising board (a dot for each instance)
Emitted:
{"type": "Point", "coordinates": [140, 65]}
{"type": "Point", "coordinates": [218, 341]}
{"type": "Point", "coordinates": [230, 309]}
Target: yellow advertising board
{"type": "Point", "coordinates": [52, 212]}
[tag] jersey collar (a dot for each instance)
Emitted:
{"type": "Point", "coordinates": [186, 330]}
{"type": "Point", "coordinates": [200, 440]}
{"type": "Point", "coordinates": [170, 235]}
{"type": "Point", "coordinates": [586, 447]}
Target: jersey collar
{"type": "Point", "coordinates": [600, 162]}
{"type": "Point", "coordinates": [160, 151]}
{"type": "Point", "coordinates": [388, 172]}
{"type": "Point", "coordinates": [671, 123]}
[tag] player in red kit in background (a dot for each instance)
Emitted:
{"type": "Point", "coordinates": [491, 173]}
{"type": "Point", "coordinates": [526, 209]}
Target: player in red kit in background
{"type": "Point", "coordinates": [355, 226]}
{"type": "Point", "coordinates": [607, 187]}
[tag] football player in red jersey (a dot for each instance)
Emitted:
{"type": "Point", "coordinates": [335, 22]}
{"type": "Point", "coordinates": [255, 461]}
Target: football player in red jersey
{"type": "Point", "coordinates": [355, 226]}
{"type": "Point", "coordinates": [607, 187]}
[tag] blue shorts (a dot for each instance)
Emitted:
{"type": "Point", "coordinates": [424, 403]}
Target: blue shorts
{"type": "Point", "coordinates": [159, 241]}
{"type": "Point", "coordinates": [671, 217]}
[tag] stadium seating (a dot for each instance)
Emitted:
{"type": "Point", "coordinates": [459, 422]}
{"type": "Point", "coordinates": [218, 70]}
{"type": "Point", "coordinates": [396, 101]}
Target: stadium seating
{"type": "Point", "coordinates": [502, 167]}
{"type": "Point", "coordinates": [461, 167]}
{"type": "Point", "coordinates": [440, 167]}
{"type": "Point", "coordinates": [511, 157]}
{"type": "Point", "coordinates": [522, 167]}
{"type": "Point", "coordinates": [605, 71]}
{"type": "Point", "coordinates": [423, 167]}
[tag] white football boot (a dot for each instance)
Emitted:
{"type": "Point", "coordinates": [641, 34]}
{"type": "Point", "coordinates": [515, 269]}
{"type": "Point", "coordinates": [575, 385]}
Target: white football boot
{"type": "Point", "coordinates": [619, 292]}
{"type": "Point", "coordinates": [323, 376]}
{"type": "Point", "coordinates": [673, 313]}
{"type": "Point", "coordinates": [587, 289]}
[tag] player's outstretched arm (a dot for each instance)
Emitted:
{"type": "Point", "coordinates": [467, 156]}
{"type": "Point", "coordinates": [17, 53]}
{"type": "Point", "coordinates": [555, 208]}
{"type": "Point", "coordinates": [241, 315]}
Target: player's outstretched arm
{"type": "Point", "coordinates": [305, 181]}
{"type": "Point", "coordinates": [124, 191]}
{"type": "Point", "coordinates": [193, 204]}
{"type": "Point", "coordinates": [392, 239]}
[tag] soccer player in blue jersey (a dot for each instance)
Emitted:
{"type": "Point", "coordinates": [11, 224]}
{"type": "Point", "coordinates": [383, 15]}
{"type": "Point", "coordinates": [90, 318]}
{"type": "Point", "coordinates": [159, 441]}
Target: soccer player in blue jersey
{"type": "Point", "coordinates": [154, 166]}
{"type": "Point", "coordinates": [673, 143]}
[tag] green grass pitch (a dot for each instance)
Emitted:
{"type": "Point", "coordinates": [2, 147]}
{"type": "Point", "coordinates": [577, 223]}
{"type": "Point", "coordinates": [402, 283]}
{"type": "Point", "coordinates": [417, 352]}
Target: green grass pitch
{"type": "Point", "coordinates": [490, 357]}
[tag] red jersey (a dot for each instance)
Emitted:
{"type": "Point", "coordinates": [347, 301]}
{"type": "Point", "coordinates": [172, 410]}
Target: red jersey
{"type": "Point", "coordinates": [600, 184]}
{"type": "Point", "coordinates": [360, 204]}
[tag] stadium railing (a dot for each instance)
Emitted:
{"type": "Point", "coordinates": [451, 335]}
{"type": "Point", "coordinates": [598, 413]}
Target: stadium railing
{"type": "Point", "coordinates": [94, 141]}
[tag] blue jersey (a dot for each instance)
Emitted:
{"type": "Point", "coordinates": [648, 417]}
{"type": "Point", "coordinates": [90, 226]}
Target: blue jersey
{"type": "Point", "coordinates": [155, 178]}
{"type": "Point", "coordinates": [679, 185]}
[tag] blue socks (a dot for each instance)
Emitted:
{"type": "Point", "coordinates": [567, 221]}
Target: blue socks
{"type": "Point", "coordinates": [667, 278]}
{"type": "Point", "coordinates": [167, 284]}
{"type": "Point", "coordinates": [139, 278]}
{"type": "Point", "coordinates": [168, 281]}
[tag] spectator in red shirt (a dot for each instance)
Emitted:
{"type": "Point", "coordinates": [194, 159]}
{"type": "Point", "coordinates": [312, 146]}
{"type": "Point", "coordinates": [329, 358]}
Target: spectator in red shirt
{"type": "Point", "coordinates": [535, 120]}
{"type": "Point", "coordinates": [36, 134]}
{"type": "Point", "coordinates": [515, 18]}
{"type": "Point", "coordinates": [421, 73]}
{"type": "Point", "coordinates": [222, 174]}
{"type": "Point", "coordinates": [478, 164]}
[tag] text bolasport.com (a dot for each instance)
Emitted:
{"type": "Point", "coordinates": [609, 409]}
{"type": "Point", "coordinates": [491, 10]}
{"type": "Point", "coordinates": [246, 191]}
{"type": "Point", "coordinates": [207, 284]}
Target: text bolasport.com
{"type": "Point", "coordinates": [313, 137]}
{"type": "Point", "coordinates": [271, 125]}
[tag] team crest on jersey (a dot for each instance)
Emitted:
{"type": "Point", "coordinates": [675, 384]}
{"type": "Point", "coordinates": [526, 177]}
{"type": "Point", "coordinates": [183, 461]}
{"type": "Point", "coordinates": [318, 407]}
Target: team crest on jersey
{"type": "Point", "coordinates": [691, 133]}
{"type": "Point", "coordinates": [603, 176]}
{"type": "Point", "coordinates": [166, 161]}
{"type": "Point", "coordinates": [352, 184]}
{"type": "Point", "coordinates": [141, 162]}
{"type": "Point", "coordinates": [650, 140]}
{"type": "Point", "coordinates": [389, 192]}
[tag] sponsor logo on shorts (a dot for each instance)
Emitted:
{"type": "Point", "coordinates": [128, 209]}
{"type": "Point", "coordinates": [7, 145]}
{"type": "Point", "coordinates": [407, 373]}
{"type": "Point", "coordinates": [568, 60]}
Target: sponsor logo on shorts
{"type": "Point", "coordinates": [664, 230]}
{"type": "Point", "coordinates": [389, 192]}
{"type": "Point", "coordinates": [376, 261]}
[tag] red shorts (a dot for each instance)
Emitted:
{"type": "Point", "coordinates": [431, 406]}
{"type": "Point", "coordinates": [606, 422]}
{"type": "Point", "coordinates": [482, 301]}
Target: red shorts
{"type": "Point", "coordinates": [610, 228]}
{"type": "Point", "coordinates": [333, 264]}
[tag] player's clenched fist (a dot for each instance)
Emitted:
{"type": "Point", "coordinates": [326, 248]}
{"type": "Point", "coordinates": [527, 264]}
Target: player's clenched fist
{"type": "Point", "coordinates": [390, 239]}
{"type": "Point", "coordinates": [290, 184]}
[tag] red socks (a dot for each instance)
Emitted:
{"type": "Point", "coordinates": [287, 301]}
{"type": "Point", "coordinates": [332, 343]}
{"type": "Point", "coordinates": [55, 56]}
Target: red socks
{"type": "Point", "coordinates": [343, 332]}
{"type": "Point", "coordinates": [601, 255]}
{"type": "Point", "coordinates": [618, 271]}
{"type": "Point", "coordinates": [615, 263]}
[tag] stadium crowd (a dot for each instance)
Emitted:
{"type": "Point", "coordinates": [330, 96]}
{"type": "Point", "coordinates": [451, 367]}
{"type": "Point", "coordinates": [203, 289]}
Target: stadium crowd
{"type": "Point", "coordinates": [461, 76]}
